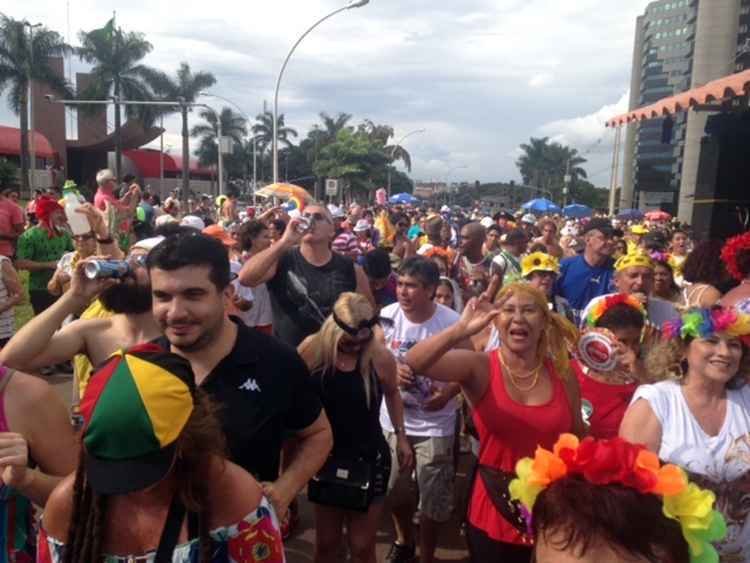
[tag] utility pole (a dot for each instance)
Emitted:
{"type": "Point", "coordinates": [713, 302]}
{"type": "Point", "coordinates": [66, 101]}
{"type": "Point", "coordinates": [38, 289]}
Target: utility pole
{"type": "Point", "coordinates": [32, 146]}
{"type": "Point", "coordinates": [566, 188]}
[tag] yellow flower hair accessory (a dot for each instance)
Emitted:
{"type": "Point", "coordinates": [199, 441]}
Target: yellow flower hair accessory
{"type": "Point", "coordinates": [616, 461]}
{"type": "Point", "coordinates": [634, 259]}
{"type": "Point", "coordinates": [539, 262]}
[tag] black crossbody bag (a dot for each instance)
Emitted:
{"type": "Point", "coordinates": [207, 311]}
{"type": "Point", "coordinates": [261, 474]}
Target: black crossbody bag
{"type": "Point", "coordinates": [343, 482]}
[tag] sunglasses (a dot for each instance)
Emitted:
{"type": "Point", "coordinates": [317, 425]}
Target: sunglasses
{"type": "Point", "coordinates": [317, 216]}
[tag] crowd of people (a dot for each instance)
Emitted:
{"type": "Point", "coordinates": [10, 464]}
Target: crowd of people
{"type": "Point", "coordinates": [229, 358]}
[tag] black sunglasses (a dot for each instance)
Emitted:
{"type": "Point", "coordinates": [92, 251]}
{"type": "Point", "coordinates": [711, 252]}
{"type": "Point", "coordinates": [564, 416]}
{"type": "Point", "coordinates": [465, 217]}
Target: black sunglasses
{"type": "Point", "coordinates": [317, 216]}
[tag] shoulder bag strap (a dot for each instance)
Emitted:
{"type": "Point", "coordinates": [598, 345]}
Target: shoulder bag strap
{"type": "Point", "coordinates": [171, 532]}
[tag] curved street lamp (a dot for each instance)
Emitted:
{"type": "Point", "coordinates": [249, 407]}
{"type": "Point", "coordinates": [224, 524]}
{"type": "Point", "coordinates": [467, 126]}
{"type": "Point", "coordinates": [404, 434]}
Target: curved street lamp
{"type": "Point", "coordinates": [275, 142]}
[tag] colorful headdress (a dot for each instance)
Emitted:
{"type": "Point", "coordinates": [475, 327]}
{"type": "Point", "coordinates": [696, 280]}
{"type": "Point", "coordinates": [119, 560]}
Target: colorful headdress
{"type": "Point", "coordinates": [701, 323]}
{"type": "Point", "coordinates": [659, 257]}
{"type": "Point", "coordinates": [616, 461]}
{"type": "Point", "coordinates": [634, 259]}
{"type": "Point", "coordinates": [539, 262]}
{"type": "Point", "coordinates": [639, 230]}
{"type": "Point", "coordinates": [606, 303]}
{"type": "Point", "coordinates": [45, 207]}
{"type": "Point", "coordinates": [293, 203]}
{"type": "Point", "coordinates": [729, 254]}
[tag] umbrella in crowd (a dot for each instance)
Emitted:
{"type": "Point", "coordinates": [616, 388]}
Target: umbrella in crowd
{"type": "Point", "coordinates": [541, 205]}
{"type": "Point", "coordinates": [285, 191]}
{"type": "Point", "coordinates": [577, 211]}
{"type": "Point", "coordinates": [630, 214]}
{"type": "Point", "coordinates": [403, 198]}
{"type": "Point", "coordinates": [658, 215]}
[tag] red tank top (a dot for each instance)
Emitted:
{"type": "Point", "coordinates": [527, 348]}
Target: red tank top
{"type": "Point", "coordinates": [509, 431]}
{"type": "Point", "coordinates": [608, 403]}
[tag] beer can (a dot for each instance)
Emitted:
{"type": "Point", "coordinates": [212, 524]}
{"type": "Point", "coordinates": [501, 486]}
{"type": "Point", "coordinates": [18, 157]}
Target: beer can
{"type": "Point", "coordinates": [304, 224]}
{"type": "Point", "coordinates": [106, 269]}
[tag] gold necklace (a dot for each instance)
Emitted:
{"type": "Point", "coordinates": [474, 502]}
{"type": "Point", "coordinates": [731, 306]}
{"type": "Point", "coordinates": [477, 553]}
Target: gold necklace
{"type": "Point", "coordinates": [514, 379]}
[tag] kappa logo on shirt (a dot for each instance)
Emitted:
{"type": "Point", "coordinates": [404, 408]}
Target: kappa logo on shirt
{"type": "Point", "coordinates": [250, 385]}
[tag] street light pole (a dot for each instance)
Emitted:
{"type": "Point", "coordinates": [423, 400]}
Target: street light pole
{"type": "Point", "coordinates": [393, 150]}
{"type": "Point", "coordinates": [275, 142]}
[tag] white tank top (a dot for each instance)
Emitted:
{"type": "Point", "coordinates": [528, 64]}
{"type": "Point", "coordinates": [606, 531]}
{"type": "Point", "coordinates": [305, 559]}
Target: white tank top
{"type": "Point", "coordinates": [720, 463]}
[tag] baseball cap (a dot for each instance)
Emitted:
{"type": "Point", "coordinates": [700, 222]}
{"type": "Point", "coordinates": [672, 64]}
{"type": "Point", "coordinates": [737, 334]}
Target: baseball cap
{"type": "Point", "coordinates": [147, 244]}
{"type": "Point", "coordinates": [193, 221]}
{"type": "Point", "coordinates": [528, 218]}
{"type": "Point", "coordinates": [219, 233]}
{"type": "Point", "coordinates": [135, 407]}
{"type": "Point", "coordinates": [602, 225]}
{"type": "Point", "coordinates": [362, 226]}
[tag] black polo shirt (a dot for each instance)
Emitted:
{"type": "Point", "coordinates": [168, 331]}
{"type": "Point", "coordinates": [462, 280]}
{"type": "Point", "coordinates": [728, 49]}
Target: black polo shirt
{"type": "Point", "coordinates": [262, 389]}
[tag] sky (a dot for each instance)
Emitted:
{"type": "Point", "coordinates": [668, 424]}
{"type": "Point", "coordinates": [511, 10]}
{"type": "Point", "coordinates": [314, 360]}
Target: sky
{"type": "Point", "coordinates": [480, 76]}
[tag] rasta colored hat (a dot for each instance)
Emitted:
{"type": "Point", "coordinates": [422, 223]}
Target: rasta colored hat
{"type": "Point", "coordinates": [606, 303]}
{"type": "Point", "coordinates": [617, 462]}
{"type": "Point", "coordinates": [634, 259]}
{"type": "Point", "coordinates": [539, 262]}
{"type": "Point", "coordinates": [135, 408]}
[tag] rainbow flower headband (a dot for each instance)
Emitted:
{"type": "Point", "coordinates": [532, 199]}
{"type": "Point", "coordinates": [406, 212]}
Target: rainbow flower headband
{"type": "Point", "coordinates": [701, 323]}
{"type": "Point", "coordinates": [606, 303]}
{"type": "Point", "coordinates": [604, 462]}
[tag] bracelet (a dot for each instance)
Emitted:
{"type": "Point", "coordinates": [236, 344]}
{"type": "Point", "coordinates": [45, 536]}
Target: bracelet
{"type": "Point", "coordinates": [108, 240]}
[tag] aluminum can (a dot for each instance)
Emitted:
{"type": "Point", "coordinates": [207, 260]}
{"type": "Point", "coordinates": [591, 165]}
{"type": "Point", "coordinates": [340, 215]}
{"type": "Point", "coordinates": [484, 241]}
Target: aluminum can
{"type": "Point", "coordinates": [106, 269]}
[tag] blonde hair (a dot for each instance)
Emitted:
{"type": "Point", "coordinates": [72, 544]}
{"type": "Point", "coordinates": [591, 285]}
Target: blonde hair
{"type": "Point", "coordinates": [320, 350]}
{"type": "Point", "coordinates": [559, 336]}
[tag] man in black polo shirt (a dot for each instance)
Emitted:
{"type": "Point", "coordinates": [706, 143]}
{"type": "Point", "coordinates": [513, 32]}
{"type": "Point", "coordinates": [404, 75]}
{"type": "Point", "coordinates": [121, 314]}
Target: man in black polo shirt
{"type": "Point", "coordinates": [259, 383]}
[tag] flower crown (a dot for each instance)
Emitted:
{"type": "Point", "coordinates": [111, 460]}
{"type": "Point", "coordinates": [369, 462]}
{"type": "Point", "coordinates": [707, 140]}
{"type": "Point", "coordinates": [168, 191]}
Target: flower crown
{"type": "Point", "coordinates": [539, 262]}
{"type": "Point", "coordinates": [437, 251]}
{"type": "Point", "coordinates": [615, 461]}
{"type": "Point", "coordinates": [729, 254]}
{"type": "Point", "coordinates": [606, 303]}
{"type": "Point", "coordinates": [701, 323]}
{"type": "Point", "coordinates": [633, 259]}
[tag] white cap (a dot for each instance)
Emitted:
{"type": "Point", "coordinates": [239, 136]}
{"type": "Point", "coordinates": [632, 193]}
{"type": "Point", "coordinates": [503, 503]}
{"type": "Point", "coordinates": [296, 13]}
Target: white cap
{"type": "Point", "coordinates": [147, 244]}
{"type": "Point", "coordinates": [362, 226]}
{"type": "Point", "coordinates": [336, 212]}
{"type": "Point", "coordinates": [445, 209]}
{"type": "Point", "coordinates": [528, 218]}
{"type": "Point", "coordinates": [193, 221]}
{"type": "Point", "coordinates": [486, 222]}
{"type": "Point", "coordinates": [165, 219]}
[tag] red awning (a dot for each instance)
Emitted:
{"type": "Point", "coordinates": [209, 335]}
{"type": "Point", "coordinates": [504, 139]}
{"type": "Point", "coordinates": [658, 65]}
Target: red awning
{"type": "Point", "coordinates": [194, 167]}
{"type": "Point", "coordinates": [147, 162]}
{"type": "Point", "coordinates": [716, 90]}
{"type": "Point", "coordinates": [10, 143]}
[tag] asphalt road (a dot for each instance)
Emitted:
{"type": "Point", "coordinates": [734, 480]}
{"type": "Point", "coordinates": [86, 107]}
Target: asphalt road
{"type": "Point", "coordinates": [300, 547]}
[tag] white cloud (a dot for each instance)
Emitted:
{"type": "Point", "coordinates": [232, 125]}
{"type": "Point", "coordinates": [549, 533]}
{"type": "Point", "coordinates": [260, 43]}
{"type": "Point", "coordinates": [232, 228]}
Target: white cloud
{"type": "Point", "coordinates": [586, 129]}
{"type": "Point", "coordinates": [541, 80]}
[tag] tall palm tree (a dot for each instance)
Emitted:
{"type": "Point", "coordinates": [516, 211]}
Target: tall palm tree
{"type": "Point", "coordinates": [263, 132]}
{"type": "Point", "coordinates": [332, 126]}
{"type": "Point", "coordinates": [533, 163]}
{"type": "Point", "coordinates": [16, 56]}
{"type": "Point", "coordinates": [233, 126]}
{"type": "Point", "coordinates": [185, 86]}
{"type": "Point", "coordinates": [117, 71]}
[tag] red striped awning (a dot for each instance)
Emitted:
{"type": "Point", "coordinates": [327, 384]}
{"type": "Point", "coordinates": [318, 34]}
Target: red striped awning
{"type": "Point", "coordinates": [715, 91]}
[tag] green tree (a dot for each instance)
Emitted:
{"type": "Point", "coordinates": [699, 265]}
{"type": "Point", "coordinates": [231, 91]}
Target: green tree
{"type": "Point", "coordinates": [354, 157]}
{"type": "Point", "coordinates": [544, 165]}
{"type": "Point", "coordinates": [8, 173]}
{"type": "Point", "coordinates": [263, 132]}
{"type": "Point", "coordinates": [186, 86]}
{"type": "Point", "coordinates": [117, 71]}
{"type": "Point", "coordinates": [16, 56]}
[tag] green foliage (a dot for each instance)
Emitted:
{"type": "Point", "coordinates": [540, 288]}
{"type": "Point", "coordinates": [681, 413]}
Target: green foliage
{"type": "Point", "coordinates": [233, 125]}
{"type": "Point", "coordinates": [588, 194]}
{"type": "Point", "coordinates": [8, 173]}
{"type": "Point", "coordinates": [544, 164]}
{"type": "Point", "coordinates": [354, 157]}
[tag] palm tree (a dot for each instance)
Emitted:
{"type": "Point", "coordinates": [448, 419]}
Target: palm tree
{"type": "Point", "coordinates": [534, 164]}
{"type": "Point", "coordinates": [233, 126]}
{"type": "Point", "coordinates": [16, 56]}
{"type": "Point", "coordinates": [544, 164]}
{"type": "Point", "coordinates": [115, 56]}
{"type": "Point", "coordinates": [186, 87]}
{"type": "Point", "coordinates": [263, 132]}
{"type": "Point", "coordinates": [332, 126]}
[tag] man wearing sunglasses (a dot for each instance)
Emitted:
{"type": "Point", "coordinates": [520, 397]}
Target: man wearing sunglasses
{"type": "Point", "coordinates": [304, 277]}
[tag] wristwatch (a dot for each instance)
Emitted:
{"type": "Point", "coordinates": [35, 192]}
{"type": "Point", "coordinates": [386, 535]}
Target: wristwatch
{"type": "Point", "coordinates": [398, 430]}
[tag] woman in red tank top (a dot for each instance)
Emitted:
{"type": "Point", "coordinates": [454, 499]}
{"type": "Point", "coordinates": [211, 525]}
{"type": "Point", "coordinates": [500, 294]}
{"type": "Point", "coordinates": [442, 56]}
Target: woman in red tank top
{"type": "Point", "coordinates": [524, 395]}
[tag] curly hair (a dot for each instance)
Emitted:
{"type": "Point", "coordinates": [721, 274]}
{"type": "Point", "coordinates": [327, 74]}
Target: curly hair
{"type": "Point", "coordinates": [704, 264]}
{"type": "Point", "coordinates": [199, 444]}
{"type": "Point", "coordinates": [666, 360]}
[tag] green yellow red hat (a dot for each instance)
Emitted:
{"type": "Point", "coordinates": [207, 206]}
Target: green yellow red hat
{"type": "Point", "coordinates": [135, 407]}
